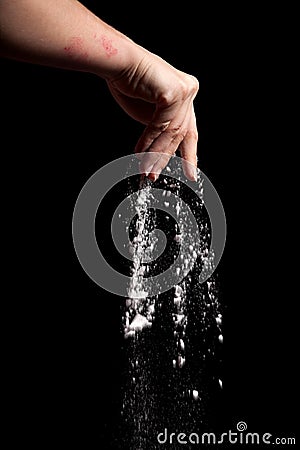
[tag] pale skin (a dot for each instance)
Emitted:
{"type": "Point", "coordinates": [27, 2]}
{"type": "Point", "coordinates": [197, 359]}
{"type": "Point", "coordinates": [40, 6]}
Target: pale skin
{"type": "Point", "coordinates": [65, 34]}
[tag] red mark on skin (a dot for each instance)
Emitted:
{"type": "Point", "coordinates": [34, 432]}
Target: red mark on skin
{"type": "Point", "coordinates": [75, 48]}
{"type": "Point", "coordinates": [110, 50]}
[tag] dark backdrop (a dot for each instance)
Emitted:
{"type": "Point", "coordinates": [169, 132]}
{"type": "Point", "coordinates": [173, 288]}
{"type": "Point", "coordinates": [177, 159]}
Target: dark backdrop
{"type": "Point", "coordinates": [59, 127]}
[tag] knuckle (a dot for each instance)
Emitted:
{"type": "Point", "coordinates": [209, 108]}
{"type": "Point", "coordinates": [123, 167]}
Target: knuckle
{"type": "Point", "coordinates": [159, 127]}
{"type": "Point", "coordinates": [193, 135]}
{"type": "Point", "coordinates": [185, 87]}
{"type": "Point", "coordinates": [181, 135]}
{"type": "Point", "coordinates": [168, 97]}
{"type": "Point", "coordinates": [194, 84]}
{"type": "Point", "coordinates": [188, 87]}
{"type": "Point", "coordinates": [178, 134]}
{"type": "Point", "coordinates": [175, 130]}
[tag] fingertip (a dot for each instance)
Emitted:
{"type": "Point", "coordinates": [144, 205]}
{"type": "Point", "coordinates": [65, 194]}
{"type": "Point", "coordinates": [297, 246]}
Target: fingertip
{"type": "Point", "coordinates": [192, 174]}
{"type": "Point", "coordinates": [190, 170]}
{"type": "Point", "coordinates": [152, 176]}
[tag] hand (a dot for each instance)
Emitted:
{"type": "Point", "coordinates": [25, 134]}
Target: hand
{"type": "Point", "coordinates": [148, 88]}
{"type": "Point", "coordinates": [161, 97]}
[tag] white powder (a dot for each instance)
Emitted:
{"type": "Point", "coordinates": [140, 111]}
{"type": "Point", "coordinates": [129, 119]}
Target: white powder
{"type": "Point", "coordinates": [195, 394]}
{"type": "Point", "coordinates": [140, 310]}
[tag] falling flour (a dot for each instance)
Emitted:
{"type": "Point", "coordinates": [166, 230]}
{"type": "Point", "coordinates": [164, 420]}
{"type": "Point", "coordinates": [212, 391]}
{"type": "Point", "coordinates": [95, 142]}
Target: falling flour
{"type": "Point", "coordinates": [176, 316]}
{"type": "Point", "coordinates": [140, 308]}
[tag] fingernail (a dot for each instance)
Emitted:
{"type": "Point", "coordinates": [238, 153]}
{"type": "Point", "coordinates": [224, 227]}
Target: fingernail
{"type": "Point", "coordinates": [154, 175]}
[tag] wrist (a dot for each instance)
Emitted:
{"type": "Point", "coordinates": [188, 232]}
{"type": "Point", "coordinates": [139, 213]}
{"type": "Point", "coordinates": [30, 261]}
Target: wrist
{"type": "Point", "coordinates": [119, 55]}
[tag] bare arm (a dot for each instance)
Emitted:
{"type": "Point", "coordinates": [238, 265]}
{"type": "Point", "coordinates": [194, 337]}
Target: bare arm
{"type": "Point", "coordinates": [62, 33]}
{"type": "Point", "coordinates": [65, 34]}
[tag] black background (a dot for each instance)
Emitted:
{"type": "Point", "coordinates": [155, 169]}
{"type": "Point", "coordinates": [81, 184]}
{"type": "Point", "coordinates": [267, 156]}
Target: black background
{"type": "Point", "coordinates": [59, 127]}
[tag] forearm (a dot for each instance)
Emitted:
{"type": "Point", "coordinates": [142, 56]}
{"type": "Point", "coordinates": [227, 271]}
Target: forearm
{"type": "Point", "coordinates": [63, 33]}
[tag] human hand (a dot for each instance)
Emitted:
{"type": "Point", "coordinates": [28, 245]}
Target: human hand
{"type": "Point", "coordinates": [148, 88]}
{"type": "Point", "coordinates": [156, 94]}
